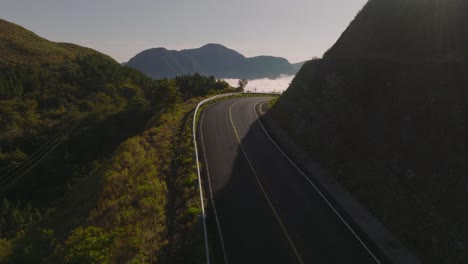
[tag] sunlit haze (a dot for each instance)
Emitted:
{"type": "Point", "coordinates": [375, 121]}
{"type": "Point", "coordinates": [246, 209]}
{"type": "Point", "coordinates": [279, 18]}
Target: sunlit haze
{"type": "Point", "coordinates": [265, 85]}
{"type": "Point", "coordinates": [297, 30]}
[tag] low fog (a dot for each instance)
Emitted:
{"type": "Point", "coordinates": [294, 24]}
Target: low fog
{"type": "Point", "coordinates": [265, 85]}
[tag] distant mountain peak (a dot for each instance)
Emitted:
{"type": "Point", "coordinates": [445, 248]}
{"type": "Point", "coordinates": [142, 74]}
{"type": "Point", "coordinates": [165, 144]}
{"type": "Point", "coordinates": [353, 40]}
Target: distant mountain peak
{"type": "Point", "coordinates": [210, 59]}
{"type": "Point", "coordinates": [158, 49]}
{"type": "Point", "coordinates": [213, 45]}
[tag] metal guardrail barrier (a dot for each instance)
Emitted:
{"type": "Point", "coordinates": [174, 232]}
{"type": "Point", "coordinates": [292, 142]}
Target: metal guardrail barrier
{"type": "Point", "coordinates": [200, 187]}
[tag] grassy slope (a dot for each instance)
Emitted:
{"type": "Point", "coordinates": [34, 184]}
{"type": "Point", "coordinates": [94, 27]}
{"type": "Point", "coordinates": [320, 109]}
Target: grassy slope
{"type": "Point", "coordinates": [23, 47]}
{"type": "Point", "coordinates": [385, 112]}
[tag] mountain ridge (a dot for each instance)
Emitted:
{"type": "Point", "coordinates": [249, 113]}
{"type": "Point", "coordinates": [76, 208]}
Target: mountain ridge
{"type": "Point", "coordinates": [21, 46]}
{"type": "Point", "coordinates": [210, 59]}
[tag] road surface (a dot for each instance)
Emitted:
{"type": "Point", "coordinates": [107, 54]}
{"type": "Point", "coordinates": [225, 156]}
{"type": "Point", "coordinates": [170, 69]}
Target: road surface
{"type": "Point", "coordinates": [261, 208]}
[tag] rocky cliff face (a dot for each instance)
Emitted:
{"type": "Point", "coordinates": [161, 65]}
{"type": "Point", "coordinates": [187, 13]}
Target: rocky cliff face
{"type": "Point", "coordinates": [386, 112]}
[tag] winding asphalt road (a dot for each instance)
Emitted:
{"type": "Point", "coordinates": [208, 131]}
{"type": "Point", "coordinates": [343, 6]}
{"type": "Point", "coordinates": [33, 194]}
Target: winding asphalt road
{"type": "Point", "coordinates": [262, 209]}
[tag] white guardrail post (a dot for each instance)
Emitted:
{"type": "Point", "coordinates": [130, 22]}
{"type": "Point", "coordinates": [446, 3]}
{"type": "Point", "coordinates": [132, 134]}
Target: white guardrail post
{"type": "Point", "coordinates": [200, 187]}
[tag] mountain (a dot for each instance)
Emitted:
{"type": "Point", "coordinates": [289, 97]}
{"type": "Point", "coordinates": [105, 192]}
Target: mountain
{"type": "Point", "coordinates": [386, 113]}
{"type": "Point", "coordinates": [211, 59]}
{"type": "Point", "coordinates": [22, 47]}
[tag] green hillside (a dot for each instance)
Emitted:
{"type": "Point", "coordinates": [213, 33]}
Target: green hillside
{"type": "Point", "coordinates": [83, 140]}
{"type": "Point", "coordinates": [23, 47]}
{"type": "Point", "coordinates": [385, 112]}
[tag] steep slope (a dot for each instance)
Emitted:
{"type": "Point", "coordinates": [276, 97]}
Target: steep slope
{"type": "Point", "coordinates": [211, 59]}
{"type": "Point", "coordinates": [95, 158]}
{"type": "Point", "coordinates": [21, 46]}
{"type": "Point", "coordinates": [417, 30]}
{"type": "Point", "coordinates": [386, 113]}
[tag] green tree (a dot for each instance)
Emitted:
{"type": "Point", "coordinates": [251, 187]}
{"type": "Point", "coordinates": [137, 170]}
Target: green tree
{"type": "Point", "coordinates": [242, 84]}
{"type": "Point", "coordinates": [88, 245]}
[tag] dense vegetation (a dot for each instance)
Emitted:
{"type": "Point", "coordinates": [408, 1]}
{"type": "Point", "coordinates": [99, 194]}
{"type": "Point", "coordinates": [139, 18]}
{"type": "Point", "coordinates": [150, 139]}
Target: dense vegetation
{"type": "Point", "coordinates": [95, 158]}
{"type": "Point", "coordinates": [140, 207]}
{"type": "Point", "coordinates": [211, 59]}
{"type": "Point", "coordinates": [16, 217]}
{"type": "Point", "coordinates": [385, 112]}
{"type": "Point", "coordinates": [93, 90]}
{"type": "Point", "coordinates": [197, 85]}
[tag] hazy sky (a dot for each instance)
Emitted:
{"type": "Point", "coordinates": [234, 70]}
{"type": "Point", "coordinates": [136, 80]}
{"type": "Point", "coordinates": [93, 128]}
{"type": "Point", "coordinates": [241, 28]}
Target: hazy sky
{"type": "Point", "coordinates": [294, 29]}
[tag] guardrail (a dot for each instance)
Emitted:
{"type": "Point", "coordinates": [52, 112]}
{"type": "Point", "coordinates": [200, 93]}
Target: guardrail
{"type": "Point", "coordinates": [200, 187]}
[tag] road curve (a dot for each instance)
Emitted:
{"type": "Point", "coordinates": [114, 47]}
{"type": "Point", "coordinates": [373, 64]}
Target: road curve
{"type": "Point", "coordinates": [261, 208]}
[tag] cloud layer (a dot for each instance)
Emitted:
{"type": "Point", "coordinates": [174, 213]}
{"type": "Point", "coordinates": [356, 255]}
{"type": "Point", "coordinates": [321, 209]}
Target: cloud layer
{"type": "Point", "coordinates": [265, 85]}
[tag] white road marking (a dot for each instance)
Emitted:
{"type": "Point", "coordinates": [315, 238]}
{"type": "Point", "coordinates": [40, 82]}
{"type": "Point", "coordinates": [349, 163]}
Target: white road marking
{"type": "Point", "coordinates": [315, 187]}
{"type": "Point", "coordinates": [280, 222]}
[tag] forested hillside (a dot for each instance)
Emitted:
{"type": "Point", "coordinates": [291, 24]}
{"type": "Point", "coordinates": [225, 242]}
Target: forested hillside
{"type": "Point", "coordinates": [385, 112]}
{"type": "Point", "coordinates": [95, 157]}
